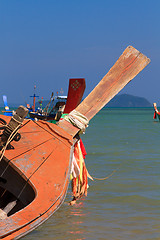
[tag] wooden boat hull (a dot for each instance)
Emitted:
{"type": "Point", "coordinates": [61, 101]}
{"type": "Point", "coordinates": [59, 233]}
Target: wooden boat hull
{"type": "Point", "coordinates": [42, 160]}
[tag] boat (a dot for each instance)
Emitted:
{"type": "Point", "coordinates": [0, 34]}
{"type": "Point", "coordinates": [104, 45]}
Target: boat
{"type": "Point", "coordinates": [54, 113]}
{"type": "Point", "coordinates": [156, 112]}
{"type": "Point", "coordinates": [59, 105]}
{"type": "Point", "coordinates": [7, 111]}
{"type": "Point", "coordinates": [37, 156]}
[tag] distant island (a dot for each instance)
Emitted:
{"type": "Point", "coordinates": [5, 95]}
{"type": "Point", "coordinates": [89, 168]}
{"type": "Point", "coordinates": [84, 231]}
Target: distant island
{"type": "Point", "coordinates": [126, 100]}
{"type": "Point", "coordinates": [122, 100]}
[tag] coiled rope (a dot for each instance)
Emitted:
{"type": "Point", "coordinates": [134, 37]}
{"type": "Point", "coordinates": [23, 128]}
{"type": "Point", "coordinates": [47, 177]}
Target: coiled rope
{"type": "Point", "coordinates": [78, 120]}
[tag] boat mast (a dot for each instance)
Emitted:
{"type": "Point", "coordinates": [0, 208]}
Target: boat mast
{"type": "Point", "coordinates": [34, 99]}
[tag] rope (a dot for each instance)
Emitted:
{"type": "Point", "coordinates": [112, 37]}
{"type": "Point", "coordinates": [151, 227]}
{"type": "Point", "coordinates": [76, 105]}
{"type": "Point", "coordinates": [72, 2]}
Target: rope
{"type": "Point", "coordinates": [101, 179]}
{"type": "Point", "coordinates": [3, 126]}
{"type": "Point", "coordinates": [78, 120]}
{"type": "Point", "coordinates": [12, 135]}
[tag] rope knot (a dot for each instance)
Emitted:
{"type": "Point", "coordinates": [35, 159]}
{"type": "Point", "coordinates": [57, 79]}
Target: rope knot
{"type": "Point", "coordinates": [78, 120]}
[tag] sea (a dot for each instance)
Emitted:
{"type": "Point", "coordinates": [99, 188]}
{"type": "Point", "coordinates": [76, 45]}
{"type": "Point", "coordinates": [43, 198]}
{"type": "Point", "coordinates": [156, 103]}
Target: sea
{"type": "Point", "coordinates": [123, 202]}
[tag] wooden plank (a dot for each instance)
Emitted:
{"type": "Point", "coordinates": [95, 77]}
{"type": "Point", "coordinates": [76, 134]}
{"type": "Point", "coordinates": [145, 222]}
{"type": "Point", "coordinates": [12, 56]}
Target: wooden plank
{"type": "Point", "coordinates": [75, 93]}
{"type": "Point", "coordinates": [130, 63]}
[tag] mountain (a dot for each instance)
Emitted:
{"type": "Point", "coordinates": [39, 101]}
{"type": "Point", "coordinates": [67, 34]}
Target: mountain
{"type": "Point", "coordinates": [123, 100]}
{"type": "Point", "coordinates": [126, 100]}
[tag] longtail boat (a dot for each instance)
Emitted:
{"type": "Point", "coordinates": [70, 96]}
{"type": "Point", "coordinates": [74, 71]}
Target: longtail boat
{"type": "Point", "coordinates": [36, 156]}
{"type": "Point", "coordinates": [156, 112]}
{"type": "Point", "coordinates": [7, 111]}
{"type": "Point", "coordinates": [62, 104]}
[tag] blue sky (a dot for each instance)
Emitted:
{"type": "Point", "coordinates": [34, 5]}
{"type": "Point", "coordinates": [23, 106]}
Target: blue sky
{"type": "Point", "coordinates": [44, 43]}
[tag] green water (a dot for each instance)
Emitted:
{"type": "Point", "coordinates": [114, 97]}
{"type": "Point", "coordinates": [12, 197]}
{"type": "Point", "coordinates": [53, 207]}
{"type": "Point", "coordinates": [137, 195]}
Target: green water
{"type": "Point", "coordinates": [127, 205]}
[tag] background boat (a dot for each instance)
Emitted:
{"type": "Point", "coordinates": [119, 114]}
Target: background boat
{"type": "Point", "coordinates": [62, 104]}
{"type": "Point", "coordinates": [7, 111]}
{"type": "Point", "coordinates": [156, 112]}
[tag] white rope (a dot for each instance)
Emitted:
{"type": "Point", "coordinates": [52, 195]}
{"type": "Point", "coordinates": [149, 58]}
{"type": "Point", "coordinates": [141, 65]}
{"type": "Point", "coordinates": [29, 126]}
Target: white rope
{"type": "Point", "coordinates": [12, 135]}
{"type": "Point", "coordinates": [78, 120]}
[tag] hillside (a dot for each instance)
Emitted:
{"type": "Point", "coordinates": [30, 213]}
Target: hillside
{"type": "Point", "coordinates": [126, 100]}
{"type": "Point", "coordinates": [123, 100]}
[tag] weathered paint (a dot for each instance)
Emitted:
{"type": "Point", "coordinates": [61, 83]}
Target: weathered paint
{"type": "Point", "coordinates": [75, 93]}
{"type": "Point", "coordinates": [42, 156]}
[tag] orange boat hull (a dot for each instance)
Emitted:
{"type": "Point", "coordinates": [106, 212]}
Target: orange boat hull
{"type": "Point", "coordinates": [42, 159]}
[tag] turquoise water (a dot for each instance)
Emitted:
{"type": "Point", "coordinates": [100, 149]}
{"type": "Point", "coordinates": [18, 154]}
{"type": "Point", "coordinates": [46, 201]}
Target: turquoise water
{"type": "Point", "coordinates": [126, 206]}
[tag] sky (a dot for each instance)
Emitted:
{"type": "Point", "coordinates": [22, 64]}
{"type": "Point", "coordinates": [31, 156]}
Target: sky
{"type": "Point", "coordinates": [46, 42]}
